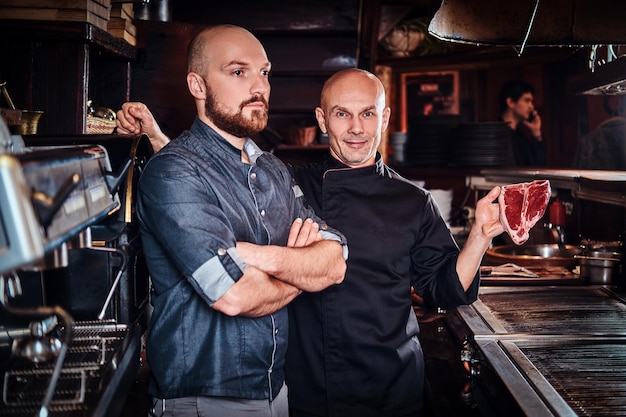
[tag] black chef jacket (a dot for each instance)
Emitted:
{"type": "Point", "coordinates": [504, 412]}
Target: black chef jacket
{"type": "Point", "coordinates": [353, 348]}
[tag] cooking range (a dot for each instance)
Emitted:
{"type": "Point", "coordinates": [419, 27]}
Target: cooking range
{"type": "Point", "coordinates": [73, 283]}
{"type": "Point", "coordinates": [545, 350]}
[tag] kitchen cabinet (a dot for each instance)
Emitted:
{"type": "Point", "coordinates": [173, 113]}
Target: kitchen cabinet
{"type": "Point", "coordinates": [56, 67]}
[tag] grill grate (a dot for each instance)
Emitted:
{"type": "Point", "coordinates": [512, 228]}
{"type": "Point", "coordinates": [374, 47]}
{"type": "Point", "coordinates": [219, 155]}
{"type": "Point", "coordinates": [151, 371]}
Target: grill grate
{"type": "Point", "coordinates": [93, 347]}
{"type": "Point", "coordinates": [591, 377]}
{"type": "Point", "coordinates": [572, 338]}
{"type": "Point", "coordinates": [553, 310]}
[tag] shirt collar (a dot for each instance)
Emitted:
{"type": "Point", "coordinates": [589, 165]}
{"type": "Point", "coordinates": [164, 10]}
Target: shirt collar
{"type": "Point", "coordinates": [201, 129]}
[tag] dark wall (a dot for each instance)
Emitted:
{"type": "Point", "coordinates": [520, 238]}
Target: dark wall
{"type": "Point", "coordinates": [159, 75]}
{"type": "Point", "coordinates": [305, 45]}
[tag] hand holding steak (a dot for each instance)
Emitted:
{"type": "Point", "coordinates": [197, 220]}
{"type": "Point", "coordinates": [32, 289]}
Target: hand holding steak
{"type": "Point", "coordinates": [521, 206]}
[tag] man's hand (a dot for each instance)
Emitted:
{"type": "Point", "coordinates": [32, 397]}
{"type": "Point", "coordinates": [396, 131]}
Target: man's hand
{"type": "Point", "coordinates": [134, 118]}
{"type": "Point", "coordinates": [534, 125]}
{"type": "Point", "coordinates": [303, 233]}
{"type": "Point", "coordinates": [298, 263]}
{"type": "Point", "coordinates": [488, 214]}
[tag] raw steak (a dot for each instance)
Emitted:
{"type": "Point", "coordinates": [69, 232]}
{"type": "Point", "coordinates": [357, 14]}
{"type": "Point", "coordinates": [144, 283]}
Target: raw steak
{"type": "Point", "coordinates": [521, 206]}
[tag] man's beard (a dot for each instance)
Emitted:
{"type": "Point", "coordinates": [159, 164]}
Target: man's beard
{"type": "Point", "coordinates": [236, 124]}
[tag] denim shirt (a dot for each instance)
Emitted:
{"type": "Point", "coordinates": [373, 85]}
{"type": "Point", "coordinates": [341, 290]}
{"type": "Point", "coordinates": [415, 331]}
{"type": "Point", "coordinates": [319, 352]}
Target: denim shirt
{"type": "Point", "coordinates": [196, 199]}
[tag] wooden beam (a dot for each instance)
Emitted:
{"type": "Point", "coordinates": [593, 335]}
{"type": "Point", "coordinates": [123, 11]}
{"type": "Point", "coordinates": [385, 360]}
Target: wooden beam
{"type": "Point", "coordinates": [369, 21]}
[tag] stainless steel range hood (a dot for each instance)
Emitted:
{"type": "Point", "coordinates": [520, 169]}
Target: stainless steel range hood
{"type": "Point", "coordinates": [608, 79]}
{"type": "Point", "coordinates": [534, 23]}
{"type": "Point", "coordinates": [544, 23]}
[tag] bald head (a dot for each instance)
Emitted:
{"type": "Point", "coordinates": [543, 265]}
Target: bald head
{"type": "Point", "coordinates": [214, 39]}
{"type": "Point", "coordinates": [228, 76]}
{"type": "Point", "coordinates": [352, 78]}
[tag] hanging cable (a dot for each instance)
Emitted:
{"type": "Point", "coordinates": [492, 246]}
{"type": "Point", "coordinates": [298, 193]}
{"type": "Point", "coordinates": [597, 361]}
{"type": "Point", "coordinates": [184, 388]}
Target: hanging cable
{"type": "Point", "coordinates": [530, 26]}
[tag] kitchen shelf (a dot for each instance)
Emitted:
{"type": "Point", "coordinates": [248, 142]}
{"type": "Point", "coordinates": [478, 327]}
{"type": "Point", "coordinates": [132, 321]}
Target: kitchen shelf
{"type": "Point", "coordinates": [56, 67]}
{"type": "Point", "coordinates": [70, 32]}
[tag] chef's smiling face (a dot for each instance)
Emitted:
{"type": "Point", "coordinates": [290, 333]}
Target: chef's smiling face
{"type": "Point", "coordinates": [354, 115]}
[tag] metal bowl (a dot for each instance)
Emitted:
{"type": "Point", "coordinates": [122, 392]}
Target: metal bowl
{"type": "Point", "coordinates": [533, 255]}
{"type": "Point", "coordinates": [600, 267]}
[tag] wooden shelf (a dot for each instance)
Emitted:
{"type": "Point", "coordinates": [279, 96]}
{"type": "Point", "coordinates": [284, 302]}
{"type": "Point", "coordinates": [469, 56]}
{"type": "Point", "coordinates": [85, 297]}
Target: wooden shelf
{"type": "Point", "coordinates": [53, 31]}
{"type": "Point", "coordinates": [56, 67]}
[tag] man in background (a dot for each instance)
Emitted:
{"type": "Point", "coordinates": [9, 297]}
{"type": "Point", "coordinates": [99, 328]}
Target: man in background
{"type": "Point", "coordinates": [353, 348]}
{"type": "Point", "coordinates": [517, 109]}
{"type": "Point", "coordinates": [605, 146]}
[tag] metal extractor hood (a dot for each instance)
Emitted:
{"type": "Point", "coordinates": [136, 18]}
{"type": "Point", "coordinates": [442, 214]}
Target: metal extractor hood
{"type": "Point", "coordinates": [608, 79]}
{"type": "Point", "coordinates": [548, 23]}
{"type": "Point", "coordinates": [531, 22]}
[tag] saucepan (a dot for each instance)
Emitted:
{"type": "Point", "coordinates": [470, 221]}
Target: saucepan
{"type": "Point", "coordinates": [600, 267]}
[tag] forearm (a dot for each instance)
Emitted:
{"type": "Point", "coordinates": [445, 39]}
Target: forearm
{"type": "Point", "coordinates": [471, 256]}
{"type": "Point", "coordinates": [158, 140]}
{"type": "Point", "coordinates": [486, 226]}
{"type": "Point", "coordinates": [311, 268]}
{"type": "Point", "coordinates": [255, 294]}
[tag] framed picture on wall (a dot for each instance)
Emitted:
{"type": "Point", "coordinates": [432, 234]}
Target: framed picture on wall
{"type": "Point", "coordinates": [426, 94]}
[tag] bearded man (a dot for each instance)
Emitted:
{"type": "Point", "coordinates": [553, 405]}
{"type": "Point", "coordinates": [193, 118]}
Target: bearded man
{"type": "Point", "coordinates": [228, 243]}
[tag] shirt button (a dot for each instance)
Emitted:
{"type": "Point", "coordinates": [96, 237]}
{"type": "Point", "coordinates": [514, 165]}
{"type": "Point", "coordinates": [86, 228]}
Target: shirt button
{"type": "Point", "coordinates": [276, 331]}
{"type": "Point", "coordinates": [253, 175]}
{"type": "Point", "coordinates": [262, 213]}
{"type": "Point", "coordinates": [324, 226]}
{"type": "Point", "coordinates": [221, 251]}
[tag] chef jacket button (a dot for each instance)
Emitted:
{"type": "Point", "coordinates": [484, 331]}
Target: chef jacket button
{"type": "Point", "coordinates": [221, 251]}
{"type": "Point", "coordinates": [262, 213]}
{"type": "Point", "coordinates": [253, 175]}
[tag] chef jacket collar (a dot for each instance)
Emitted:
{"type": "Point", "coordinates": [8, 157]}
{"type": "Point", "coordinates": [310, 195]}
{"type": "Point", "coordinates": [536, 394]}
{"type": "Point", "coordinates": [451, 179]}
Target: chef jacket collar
{"type": "Point", "coordinates": [336, 165]}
